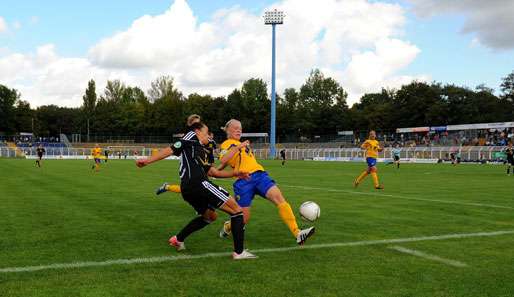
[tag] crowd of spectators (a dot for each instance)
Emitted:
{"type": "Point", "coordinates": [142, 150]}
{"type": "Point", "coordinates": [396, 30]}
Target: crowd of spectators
{"type": "Point", "coordinates": [491, 137]}
{"type": "Point", "coordinates": [30, 141]}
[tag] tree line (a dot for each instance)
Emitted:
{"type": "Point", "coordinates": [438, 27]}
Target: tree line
{"type": "Point", "coordinates": [318, 107]}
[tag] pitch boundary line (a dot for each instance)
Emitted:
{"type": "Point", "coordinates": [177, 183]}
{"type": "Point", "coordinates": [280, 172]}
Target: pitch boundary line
{"type": "Point", "coordinates": [428, 256]}
{"type": "Point", "coordinates": [74, 265]}
{"type": "Point", "coordinates": [400, 197]}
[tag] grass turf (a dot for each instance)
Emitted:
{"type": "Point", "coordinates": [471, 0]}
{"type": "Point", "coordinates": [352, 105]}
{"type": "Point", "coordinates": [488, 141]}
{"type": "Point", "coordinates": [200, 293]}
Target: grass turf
{"type": "Point", "coordinates": [64, 213]}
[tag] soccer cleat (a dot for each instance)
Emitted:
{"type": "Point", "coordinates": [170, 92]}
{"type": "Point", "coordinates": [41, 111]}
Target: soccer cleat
{"type": "Point", "coordinates": [225, 230]}
{"type": "Point", "coordinates": [355, 184]}
{"type": "Point", "coordinates": [304, 234]}
{"type": "Point", "coordinates": [379, 187]}
{"type": "Point", "coordinates": [161, 189]}
{"type": "Point", "coordinates": [179, 245]}
{"type": "Point", "coordinates": [244, 255]}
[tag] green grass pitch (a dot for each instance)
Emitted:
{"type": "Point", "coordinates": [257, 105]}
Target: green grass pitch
{"type": "Point", "coordinates": [65, 213]}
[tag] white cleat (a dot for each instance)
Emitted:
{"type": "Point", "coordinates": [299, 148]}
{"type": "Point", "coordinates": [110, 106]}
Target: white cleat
{"type": "Point", "coordinates": [304, 234]}
{"type": "Point", "coordinates": [179, 245]}
{"type": "Point", "coordinates": [244, 255]}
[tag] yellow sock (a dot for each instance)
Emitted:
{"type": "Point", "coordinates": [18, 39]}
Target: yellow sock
{"type": "Point", "coordinates": [362, 176]}
{"type": "Point", "coordinates": [287, 215]}
{"type": "Point", "coordinates": [173, 188]}
{"type": "Point", "coordinates": [97, 166]}
{"type": "Point", "coordinates": [375, 179]}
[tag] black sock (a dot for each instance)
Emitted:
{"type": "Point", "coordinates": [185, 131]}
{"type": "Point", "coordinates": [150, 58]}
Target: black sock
{"type": "Point", "coordinates": [398, 166]}
{"type": "Point", "coordinates": [195, 225]}
{"type": "Point", "coordinates": [238, 232]}
{"type": "Point", "coordinates": [508, 170]}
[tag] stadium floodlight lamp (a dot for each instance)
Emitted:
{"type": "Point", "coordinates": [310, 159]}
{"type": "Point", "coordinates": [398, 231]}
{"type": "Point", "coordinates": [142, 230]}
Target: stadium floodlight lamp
{"type": "Point", "coordinates": [273, 17]}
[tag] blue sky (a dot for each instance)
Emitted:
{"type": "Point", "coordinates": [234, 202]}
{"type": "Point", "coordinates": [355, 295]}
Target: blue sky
{"type": "Point", "coordinates": [446, 54]}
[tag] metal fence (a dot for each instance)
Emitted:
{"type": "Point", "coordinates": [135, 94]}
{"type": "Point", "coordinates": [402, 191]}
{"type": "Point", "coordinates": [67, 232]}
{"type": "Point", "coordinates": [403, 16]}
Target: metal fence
{"type": "Point", "coordinates": [471, 153]}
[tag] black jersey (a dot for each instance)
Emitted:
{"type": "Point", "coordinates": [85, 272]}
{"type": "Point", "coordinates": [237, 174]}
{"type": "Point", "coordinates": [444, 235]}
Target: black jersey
{"type": "Point", "coordinates": [510, 153]}
{"type": "Point", "coordinates": [40, 151]}
{"type": "Point", "coordinates": [194, 163]}
{"type": "Point", "coordinates": [210, 147]}
{"type": "Point", "coordinates": [191, 135]}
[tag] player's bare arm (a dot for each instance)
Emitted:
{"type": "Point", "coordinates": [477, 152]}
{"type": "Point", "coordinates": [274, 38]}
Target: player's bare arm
{"type": "Point", "coordinates": [162, 154]}
{"type": "Point", "coordinates": [226, 174]}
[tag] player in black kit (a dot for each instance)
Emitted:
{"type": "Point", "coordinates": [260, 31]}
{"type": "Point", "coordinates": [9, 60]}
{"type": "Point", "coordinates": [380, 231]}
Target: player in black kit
{"type": "Point", "coordinates": [40, 151]}
{"type": "Point", "coordinates": [510, 157]}
{"type": "Point", "coordinates": [204, 196]}
{"type": "Point", "coordinates": [283, 156]}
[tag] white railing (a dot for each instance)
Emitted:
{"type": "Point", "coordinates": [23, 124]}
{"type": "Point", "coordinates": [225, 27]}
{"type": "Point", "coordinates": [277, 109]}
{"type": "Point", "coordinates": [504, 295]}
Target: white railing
{"type": "Point", "coordinates": [467, 153]}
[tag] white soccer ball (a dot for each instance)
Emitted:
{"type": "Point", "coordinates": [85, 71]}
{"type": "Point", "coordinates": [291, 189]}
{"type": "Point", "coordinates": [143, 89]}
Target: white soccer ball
{"type": "Point", "coordinates": [309, 211]}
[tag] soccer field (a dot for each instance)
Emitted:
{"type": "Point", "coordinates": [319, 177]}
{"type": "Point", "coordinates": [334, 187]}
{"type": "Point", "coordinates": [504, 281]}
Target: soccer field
{"type": "Point", "coordinates": [435, 230]}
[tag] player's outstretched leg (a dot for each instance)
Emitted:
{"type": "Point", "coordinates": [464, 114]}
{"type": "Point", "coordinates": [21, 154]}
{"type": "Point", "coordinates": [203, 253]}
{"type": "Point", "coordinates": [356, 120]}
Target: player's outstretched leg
{"type": "Point", "coordinates": [360, 178]}
{"type": "Point", "coordinates": [194, 225]}
{"type": "Point", "coordinates": [165, 187]}
{"type": "Point", "coordinates": [237, 225]}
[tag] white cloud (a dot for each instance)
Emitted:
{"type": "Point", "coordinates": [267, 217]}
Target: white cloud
{"type": "Point", "coordinates": [16, 25]}
{"type": "Point", "coordinates": [491, 21]}
{"type": "Point", "coordinates": [356, 41]}
{"type": "Point", "coordinates": [374, 69]}
{"type": "Point", "coordinates": [3, 25]}
{"type": "Point", "coordinates": [46, 78]}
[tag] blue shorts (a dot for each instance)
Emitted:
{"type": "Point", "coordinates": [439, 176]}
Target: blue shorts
{"type": "Point", "coordinates": [97, 160]}
{"type": "Point", "coordinates": [245, 190]}
{"type": "Point", "coordinates": [371, 162]}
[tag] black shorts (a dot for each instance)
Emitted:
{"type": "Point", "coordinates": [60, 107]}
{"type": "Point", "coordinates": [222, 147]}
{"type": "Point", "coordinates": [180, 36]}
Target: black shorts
{"type": "Point", "coordinates": [204, 195]}
{"type": "Point", "coordinates": [397, 158]}
{"type": "Point", "coordinates": [39, 156]}
{"type": "Point", "coordinates": [510, 161]}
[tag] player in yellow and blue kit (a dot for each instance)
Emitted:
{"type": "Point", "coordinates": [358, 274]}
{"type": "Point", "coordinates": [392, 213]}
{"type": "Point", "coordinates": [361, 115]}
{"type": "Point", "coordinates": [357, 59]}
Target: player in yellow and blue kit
{"type": "Point", "coordinates": [372, 148]}
{"type": "Point", "coordinates": [97, 155]}
{"type": "Point", "coordinates": [240, 157]}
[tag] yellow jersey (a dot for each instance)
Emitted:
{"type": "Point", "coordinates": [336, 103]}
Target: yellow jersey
{"type": "Point", "coordinates": [244, 160]}
{"type": "Point", "coordinates": [97, 152]}
{"type": "Point", "coordinates": [371, 147]}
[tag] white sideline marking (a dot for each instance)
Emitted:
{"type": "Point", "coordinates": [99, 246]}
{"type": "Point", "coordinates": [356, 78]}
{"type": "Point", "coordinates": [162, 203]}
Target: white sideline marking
{"type": "Point", "coordinates": [270, 250]}
{"type": "Point", "coordinates": [428, 256]}
{"type": "Point", "coordinates": [400, 197]}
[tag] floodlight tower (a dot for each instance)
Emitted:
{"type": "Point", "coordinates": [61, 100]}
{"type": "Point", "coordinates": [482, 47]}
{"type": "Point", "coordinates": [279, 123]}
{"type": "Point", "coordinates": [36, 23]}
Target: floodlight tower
{"type": "Point", "coordinates": [273, 18]}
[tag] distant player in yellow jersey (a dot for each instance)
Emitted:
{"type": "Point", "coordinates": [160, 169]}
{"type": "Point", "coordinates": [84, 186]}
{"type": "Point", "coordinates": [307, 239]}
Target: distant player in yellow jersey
{"type": "Point", "coordinates": [372, 148]}
{"type": "Point", "coordinates": [240, 157]}
{"type": "Point", "coordinates": [97, 155]}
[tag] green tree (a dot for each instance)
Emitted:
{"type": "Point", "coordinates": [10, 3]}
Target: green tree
{"type": "Point", "coordinates": [255, 106]}
{"type": "Point", "coordinates": [89, 101]}
{"type": "Point", "coordinates": [8, 98]}
{"type": "Point", "coordinates": [507, 86]}
{"type": "Point", "coordinates": [322, 105]}
{"type": "Point", "coordinates": [24, 116]}
{"type": "Point", "coordinates": [168, 114]}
